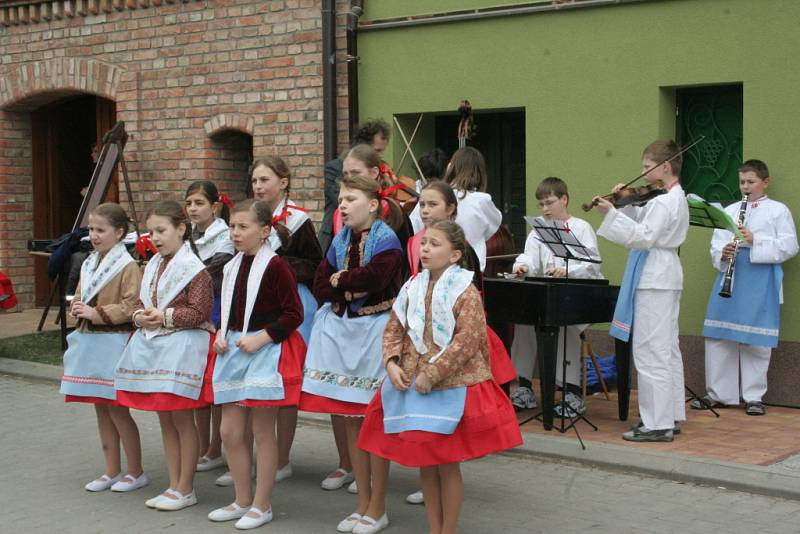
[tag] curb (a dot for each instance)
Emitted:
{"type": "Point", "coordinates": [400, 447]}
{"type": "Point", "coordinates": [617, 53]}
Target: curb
{"type": "Point", "coordinates": [769, 481]}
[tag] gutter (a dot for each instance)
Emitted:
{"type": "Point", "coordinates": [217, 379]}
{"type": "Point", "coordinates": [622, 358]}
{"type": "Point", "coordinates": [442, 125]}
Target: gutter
{"type": "Point", "coordinates": [356, 10]}
{"type": "Point", "coordinates": [329, 132]}
{"type": "Point", "coordinates": [488, 13]}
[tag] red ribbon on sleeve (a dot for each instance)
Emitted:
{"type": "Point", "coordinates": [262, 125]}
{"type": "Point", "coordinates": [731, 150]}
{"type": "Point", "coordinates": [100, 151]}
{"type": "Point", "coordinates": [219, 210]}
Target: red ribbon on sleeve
{"type": "Point", "coordinates": [143, 244]}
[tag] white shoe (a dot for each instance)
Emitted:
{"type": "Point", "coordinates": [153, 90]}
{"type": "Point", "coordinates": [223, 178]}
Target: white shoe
{"type": "Point", "coordinates": [353, 488]}
{"type": "Point", "coordinates": [168, 504]}
{"type": "Point", "coordinates": [128, 483]}
{"type": "Point", "coordinates": [151, 503]}
{"type": "Point", "coordinates": [223, 514]}
{"type": "Point", "coordinates": [348, 523]}
{"type": "Point", "coordinates": [283, 473]}
{"type": "Point", "coordinates": [210, 463]}
{"type": "Point", "coordinates": [367, 525]}
{"type": "Point", "coordinates": [337, 479]}
{"type": "Point", "coordinates": [415, 498]}
{"type": "Point", "coordinates": [224, 480]}
{"type": "Point", "coordinates": [103, 483]}
{"type": "Point", "coordinates": [246, 523]}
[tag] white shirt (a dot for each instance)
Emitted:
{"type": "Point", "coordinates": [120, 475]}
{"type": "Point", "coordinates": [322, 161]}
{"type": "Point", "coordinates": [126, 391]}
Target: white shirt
{"type": "Point", "coordinates": [659, 226]}
{"type": "Point", "coordinates": [537, 255]}
{"type": "Point", "coordinates": [774, 234]}
{"type": "Point", "coordinates": [479, 218]}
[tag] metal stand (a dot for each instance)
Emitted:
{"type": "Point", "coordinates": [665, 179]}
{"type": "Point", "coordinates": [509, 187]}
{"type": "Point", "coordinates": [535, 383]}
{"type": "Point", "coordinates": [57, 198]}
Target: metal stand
{"type": "Point", "coordinates": [701, 400]}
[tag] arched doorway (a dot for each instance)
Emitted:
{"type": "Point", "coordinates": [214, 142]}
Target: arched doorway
{"type": "Point", "coordinates": [64, 137]}
{"type": "Point", "coordinates": [228, 160]}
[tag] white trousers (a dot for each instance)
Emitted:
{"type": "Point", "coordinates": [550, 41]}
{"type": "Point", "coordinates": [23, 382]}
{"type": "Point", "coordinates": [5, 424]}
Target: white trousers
{"type": "Point", "coordinates": [730, 364]}
{"type": "Point", "coordinates": [657, 357]}
{"type": "Point", "coordinates": [524, 350]}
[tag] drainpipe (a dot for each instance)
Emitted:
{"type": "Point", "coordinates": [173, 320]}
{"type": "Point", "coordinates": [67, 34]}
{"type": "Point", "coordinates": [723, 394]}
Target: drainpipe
{"type": "Point", "coordinates": [330, 136]}
{"type": "Point", "coordinates": [356, 10]}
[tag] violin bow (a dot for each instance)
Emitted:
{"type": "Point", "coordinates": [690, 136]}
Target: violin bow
{"type": "Point", "coordinates": [678, 153]}
{"type": "Point", "coordinates": [408, 147]}
{"type": "Point", "coordinates": [410, 142]}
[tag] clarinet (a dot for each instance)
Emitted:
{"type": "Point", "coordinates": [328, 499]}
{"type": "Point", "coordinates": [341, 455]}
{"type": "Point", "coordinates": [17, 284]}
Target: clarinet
{"type": "Point", "coordinates": [727, 281]}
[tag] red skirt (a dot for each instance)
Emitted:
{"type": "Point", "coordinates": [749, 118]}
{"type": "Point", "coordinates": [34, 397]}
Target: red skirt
{"type": "Point", "coordinates": [318, 404]}
{"type": "Point", "coordinates": [169, 402]}
{"type": "Point", "coordinates": [290, 366]}
{"type": "Point", "coordinates": [91, 400]}
{"type": "Point", "coordinates": [502, 368]}
{"type": "Point", "coordinates": [488, 425]}
{"type": "Point", "coordinates": [207, 392]}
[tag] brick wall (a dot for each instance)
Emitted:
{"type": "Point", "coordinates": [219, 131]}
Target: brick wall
{"type": "Point", "coordinates": [196, 82]}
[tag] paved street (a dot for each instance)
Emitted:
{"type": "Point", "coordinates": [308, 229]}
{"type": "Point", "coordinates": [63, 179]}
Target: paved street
{"type": "Point", "coordinates": [49, 450]}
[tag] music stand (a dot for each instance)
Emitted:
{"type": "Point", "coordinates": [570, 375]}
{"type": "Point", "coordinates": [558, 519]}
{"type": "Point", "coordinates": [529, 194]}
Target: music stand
{"type": "Point", "coordinates": [557, 236]}
{"type": "Point", "coordinates": [704, 214]}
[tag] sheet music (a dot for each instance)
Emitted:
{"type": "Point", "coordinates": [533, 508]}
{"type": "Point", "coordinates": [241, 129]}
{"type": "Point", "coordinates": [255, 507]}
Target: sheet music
{"type": "Point", "coordinates": [559, 239]}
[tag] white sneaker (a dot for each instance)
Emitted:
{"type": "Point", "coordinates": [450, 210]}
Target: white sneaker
{"type": "Point", "coordinates": [103, 483]}
{"type": "Point", "coordinates": [168, 504]}
{"type": "Point", "coordinates": [223, 514]}
{"type": "Point", "coordinates": [367, 525]}
{"type": "Point", "coordinates": [348, 523]}
{"type": "Point", "coordinates": [210, 463]}
{"type": "Point", "coordinates": [353, 488]}
{"type": "Point", "coordinates": [151, 503]}
{"type": "Point", "coordinates": [415, 498]}
{"type": "Point", "coordinates": [283, 473]}
{"type": "Point", "coordinates": [128, 483]}
{"type": "Point", "coordinates": [337, 479]}
{"type": "Point", "coordinates": [246, 523]}
{"type": "Point", "coordinates": [224, 480]}
{"type": "Point", "coordinates": [523, 398]}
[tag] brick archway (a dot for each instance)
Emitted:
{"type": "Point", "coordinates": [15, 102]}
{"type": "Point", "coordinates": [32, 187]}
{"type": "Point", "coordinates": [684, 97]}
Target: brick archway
{"type": "Point", "coordinates": [30, 85]}
{"type": "Point", "coordinates": [229, 121]}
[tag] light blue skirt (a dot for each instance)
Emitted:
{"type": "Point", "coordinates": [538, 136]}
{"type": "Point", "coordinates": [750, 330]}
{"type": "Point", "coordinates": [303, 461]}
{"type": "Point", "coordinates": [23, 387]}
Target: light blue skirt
{"type": "Point", "coordinates": [439, 411]}
{"type": "Point", "coordinates": [89, 363]}
{"type": "Point", "coordinates": [240, 375]}
{"type": "Point", "coordinates": [173, 363]}
{"type": "Point", "coordinates": [345, 356]}
{"type": "Point", "coordinates": [309, 310]}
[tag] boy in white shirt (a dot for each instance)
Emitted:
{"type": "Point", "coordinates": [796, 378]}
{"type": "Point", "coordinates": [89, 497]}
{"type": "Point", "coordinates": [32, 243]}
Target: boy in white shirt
{"type": "Point", "coordinates": [741, 331]}
{"type": "Point", "coordinates": [651, 288]}
{"type": "Point", "coordinates": [538, 260]}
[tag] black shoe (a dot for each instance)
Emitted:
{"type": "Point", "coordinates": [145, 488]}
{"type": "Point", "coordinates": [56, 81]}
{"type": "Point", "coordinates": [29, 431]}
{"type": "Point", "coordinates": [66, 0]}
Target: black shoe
{"type": "Point", "coordinates": [675, 429]}
{"type": "Point", "coordinates": [641, 433]}
{"type": "Point", "coordinates": [704, 403]}
{"type": "Point", "coordinates": [754, 408]}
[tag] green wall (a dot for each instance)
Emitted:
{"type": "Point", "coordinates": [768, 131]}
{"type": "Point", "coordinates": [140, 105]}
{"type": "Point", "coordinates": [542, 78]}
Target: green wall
{"type": "Point", "coordinates": [597, 85]}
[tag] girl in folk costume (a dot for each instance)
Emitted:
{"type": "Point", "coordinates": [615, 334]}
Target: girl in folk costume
{"type": "Point", "coordinates": [363, 160]}
{"type": "Point", "coordinates": [103, 304]}
{"type": "Point", "coordinates": [259, 363]}
{"type": "Point", "coordinates": [211, 237]}
{"type": "Point", "coordinates": [440, 405]}
{"type": "Point", "coordinates": [358, 282]}
{"type": "Point", "coordinates": [438, 202]}
{"type": "Point", "coordinates": [163, 364]}
{"type": "Point", "coordinates": [293, 238]}
{"type": "Point", "coordinates": [477, 214]}
{"type": "Point", "coordinates": [741, 330]}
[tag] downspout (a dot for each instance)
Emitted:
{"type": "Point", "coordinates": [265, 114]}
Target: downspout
{"type": "Point", "coordinates": [329, 132]}
{"type": "Point", "coordinates": [356, 10]}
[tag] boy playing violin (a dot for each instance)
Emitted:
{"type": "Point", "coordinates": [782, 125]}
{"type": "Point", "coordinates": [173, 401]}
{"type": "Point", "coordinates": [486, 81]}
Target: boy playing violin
{"type": "Point", "coordinates": [651, 290]}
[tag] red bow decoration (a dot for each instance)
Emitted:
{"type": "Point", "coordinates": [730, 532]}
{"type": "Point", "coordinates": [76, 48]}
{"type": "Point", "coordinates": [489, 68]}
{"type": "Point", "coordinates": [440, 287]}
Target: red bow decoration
{"type": "Point", "coordinates": [225, 199]}
{"type": "Point", "coordinates": [143, 244]}
{"type": "Point", "coordinates": [385, 170]}
{"type": "Point", "coordinates": [285, 214]}
{"type": "Point", "coordinates": [385, 193]}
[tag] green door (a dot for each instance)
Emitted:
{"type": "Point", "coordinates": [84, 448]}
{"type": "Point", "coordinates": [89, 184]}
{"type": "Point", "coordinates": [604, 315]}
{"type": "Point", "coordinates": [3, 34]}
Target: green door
{"type": "Point", "coordinates": [710, 169]}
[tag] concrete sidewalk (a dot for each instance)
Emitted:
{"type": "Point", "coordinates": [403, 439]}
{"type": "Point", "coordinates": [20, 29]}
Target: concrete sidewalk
{"type": "Point", "coordinates": [777, 480]}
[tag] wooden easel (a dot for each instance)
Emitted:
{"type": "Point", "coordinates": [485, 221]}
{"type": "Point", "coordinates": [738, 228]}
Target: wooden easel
{"type": "Point", "coordinates": [113, 144]}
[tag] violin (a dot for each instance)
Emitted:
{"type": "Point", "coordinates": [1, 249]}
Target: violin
{"type": "Point", "coordinates": [630, 196]}
{"type": "Point", "coordinates": [639, 196]}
